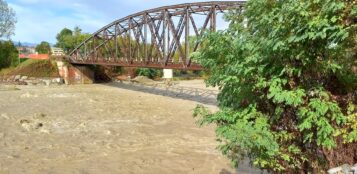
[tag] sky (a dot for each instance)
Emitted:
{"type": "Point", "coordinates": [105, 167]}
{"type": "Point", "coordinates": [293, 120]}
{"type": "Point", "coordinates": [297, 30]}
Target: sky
{"type": "Point", "coordinates": [41, 20]}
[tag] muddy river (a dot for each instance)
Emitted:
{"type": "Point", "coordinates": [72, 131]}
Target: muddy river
{"type": "Point", "coordinates": [90, 129]}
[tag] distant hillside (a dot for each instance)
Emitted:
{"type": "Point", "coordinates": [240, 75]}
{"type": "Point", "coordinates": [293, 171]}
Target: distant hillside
{"type": "Point", "coordinates": [28, 44]}
{"type": "Point", "coordinates": [25, 44]}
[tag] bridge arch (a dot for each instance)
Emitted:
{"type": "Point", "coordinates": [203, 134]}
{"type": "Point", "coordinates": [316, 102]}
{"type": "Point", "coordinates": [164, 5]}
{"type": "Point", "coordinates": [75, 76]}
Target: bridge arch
{"type": "Point", "coordinates": [156, 38]}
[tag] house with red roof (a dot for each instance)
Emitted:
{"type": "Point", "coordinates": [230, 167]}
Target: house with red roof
{"type": "Point", "coordinates": [35, 56]}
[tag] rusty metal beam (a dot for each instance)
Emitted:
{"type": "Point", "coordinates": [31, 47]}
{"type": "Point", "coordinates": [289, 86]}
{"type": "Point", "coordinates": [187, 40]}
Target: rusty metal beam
{"type": "Point", "coordinates": [148, 65]}
{"type": "Point", "coordinates": [125, 42]}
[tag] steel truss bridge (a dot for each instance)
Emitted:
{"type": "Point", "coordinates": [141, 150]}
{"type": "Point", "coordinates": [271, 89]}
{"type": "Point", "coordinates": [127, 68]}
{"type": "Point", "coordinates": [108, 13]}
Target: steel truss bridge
{"type": "Point", "coordinates": [162, 37]}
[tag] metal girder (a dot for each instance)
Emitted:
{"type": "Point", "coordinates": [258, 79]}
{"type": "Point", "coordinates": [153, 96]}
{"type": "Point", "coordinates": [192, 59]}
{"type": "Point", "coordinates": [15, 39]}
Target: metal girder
{"type": "Point", "coordinates": [126, 42]}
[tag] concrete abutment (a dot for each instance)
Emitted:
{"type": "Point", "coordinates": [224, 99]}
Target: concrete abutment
{"type": "Point", "coordinates": [75, 74]}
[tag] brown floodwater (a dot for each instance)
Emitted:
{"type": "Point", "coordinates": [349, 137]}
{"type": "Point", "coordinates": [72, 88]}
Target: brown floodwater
{"type": "Point", "coordinates": [90, 129]}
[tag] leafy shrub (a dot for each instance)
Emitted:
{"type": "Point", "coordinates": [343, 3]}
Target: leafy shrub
{"type": "Point", "coordinates": [8, 54]}
{"type": "Point", "coordinates": [149, 72]}
{"type": "Point", "coordinates": [287, 74]}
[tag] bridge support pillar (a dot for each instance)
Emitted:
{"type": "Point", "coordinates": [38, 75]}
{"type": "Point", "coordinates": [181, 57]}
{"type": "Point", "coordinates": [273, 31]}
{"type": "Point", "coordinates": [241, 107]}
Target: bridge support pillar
{"type": "Point", "coordinates": [63, 71]}
{"type": "Point", "coordinates": [75, 74]}
{"type": "Point", "coordinates": [168, 75]}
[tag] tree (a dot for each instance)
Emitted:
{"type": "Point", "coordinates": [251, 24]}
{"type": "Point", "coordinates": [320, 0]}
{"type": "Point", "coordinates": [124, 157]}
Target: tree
{"type": "Point", "coordinates": [288, 80]}
{"type": "Point", "coordinates": [63, 38]}
{"type": "Point", "coordinates": [7, 20]}
{"type": "Point", "coordinates": [8, 54]}
{"type": "Point", "coordinates": [68, 39]}
{"type": "Point", "coordinates": [43, 48]}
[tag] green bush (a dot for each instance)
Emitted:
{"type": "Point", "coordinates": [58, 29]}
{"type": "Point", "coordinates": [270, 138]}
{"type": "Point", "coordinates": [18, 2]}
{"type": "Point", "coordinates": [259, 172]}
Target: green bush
{"type": "Point", "coordinates": [287, 74]}
{"type": "Point", "coordinates": [9, 55]}
{"type": "Point", "coordinates": [149, 72]}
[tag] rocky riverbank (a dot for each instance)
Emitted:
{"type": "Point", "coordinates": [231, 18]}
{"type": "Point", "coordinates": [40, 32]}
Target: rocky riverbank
{"type": "Point", "coordinates": [25, 80]}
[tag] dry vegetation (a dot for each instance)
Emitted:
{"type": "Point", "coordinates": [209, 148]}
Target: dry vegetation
{"type": "Point", "coordinates": [33, 68]}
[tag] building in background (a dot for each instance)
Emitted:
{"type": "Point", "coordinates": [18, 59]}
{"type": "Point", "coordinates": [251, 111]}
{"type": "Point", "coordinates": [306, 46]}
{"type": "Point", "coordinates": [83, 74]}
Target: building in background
{"type": "Point", "coordinates": [26, 50]}
{"type": "Point", "coordinates": [34, 56]}
{"type": "Point", "coordinates": [57, 51]}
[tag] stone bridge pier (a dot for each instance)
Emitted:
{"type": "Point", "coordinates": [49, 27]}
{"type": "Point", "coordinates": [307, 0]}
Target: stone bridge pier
{"type": "Point", "coordinates": [75, 74]}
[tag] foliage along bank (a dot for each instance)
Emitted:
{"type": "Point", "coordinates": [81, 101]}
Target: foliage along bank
{"type": "Point", "coordinates": [8, 54]}
{"type": "Point", "coordinates": [287, 71]}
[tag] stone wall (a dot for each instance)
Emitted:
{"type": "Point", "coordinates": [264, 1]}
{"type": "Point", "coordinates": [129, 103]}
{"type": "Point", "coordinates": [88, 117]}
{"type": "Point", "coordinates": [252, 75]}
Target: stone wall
{"type": "Point", "coordinates": [63, 71]}
{"type": "Point", "coordinates": [80, 75]}
{"type": "Point", "coordinates": [74, 74]}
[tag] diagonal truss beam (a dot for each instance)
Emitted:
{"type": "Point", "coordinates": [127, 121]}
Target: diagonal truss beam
{"type": "Point", "coordinates": [157, 38]}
